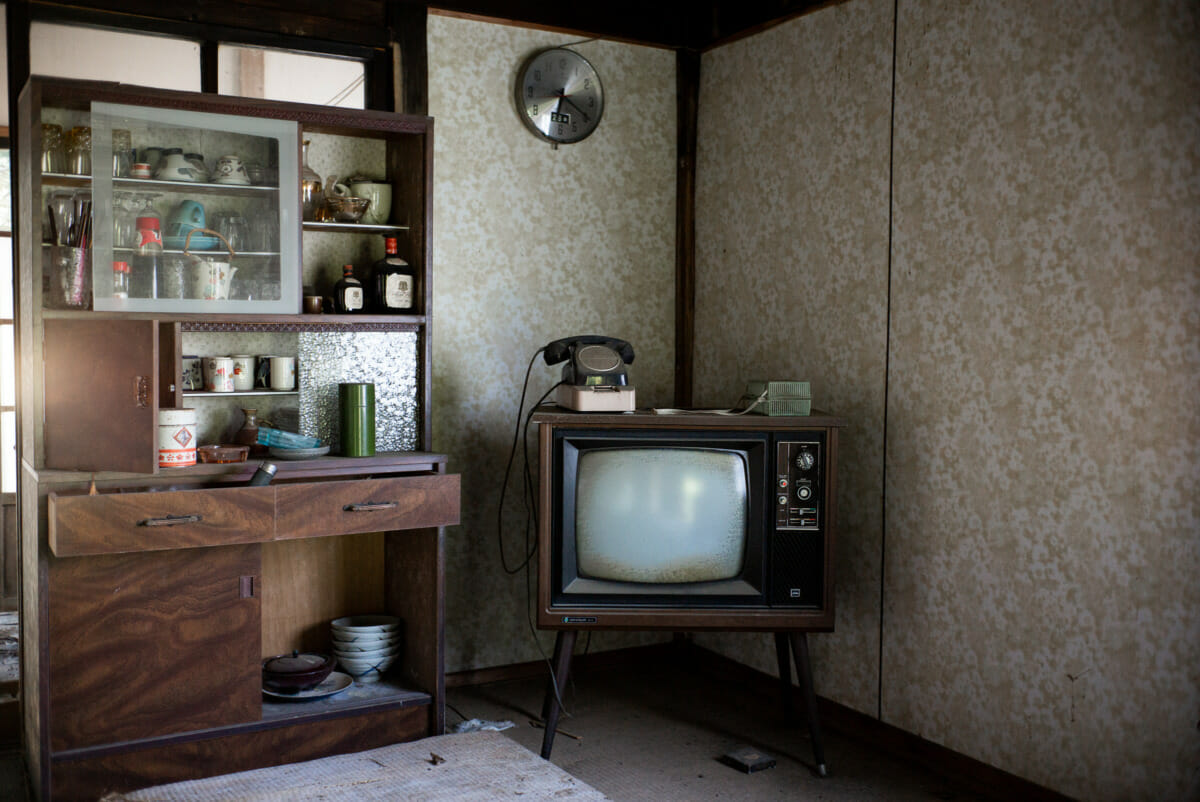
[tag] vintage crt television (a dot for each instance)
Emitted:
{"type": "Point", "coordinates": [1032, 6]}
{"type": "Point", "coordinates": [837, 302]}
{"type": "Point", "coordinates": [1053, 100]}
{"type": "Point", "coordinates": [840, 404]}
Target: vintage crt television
{"type": "Point", "coordinates": [686, 521]}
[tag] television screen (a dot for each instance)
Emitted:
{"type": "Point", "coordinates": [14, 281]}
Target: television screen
{"type": "Point", "coordinates": [661, 515]}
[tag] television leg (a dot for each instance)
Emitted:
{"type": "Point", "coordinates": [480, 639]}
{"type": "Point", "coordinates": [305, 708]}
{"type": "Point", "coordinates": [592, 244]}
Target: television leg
{"type": "Point", "coordinates": [564, 647]}
{"type": "Point", "coordinates": [804, 668]}
{"type": "Point", "coordinates": [784, 657]}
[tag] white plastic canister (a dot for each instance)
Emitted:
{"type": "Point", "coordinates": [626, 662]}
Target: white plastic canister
{"type": "Point", "coordinates": [176, 438]}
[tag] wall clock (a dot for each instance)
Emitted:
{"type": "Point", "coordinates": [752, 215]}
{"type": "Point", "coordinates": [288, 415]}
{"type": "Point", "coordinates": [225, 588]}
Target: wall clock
{"type": "Point", "coordinates": [559, 96]}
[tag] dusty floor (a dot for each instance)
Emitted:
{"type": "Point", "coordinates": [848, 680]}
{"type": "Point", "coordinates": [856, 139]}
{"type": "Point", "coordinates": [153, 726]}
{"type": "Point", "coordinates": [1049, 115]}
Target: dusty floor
{"type": "Point", "coordinates": [652, 732]}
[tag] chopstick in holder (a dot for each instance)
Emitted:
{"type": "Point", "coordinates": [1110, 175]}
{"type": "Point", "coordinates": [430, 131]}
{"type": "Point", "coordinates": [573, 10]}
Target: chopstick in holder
{"type": "Point", "coordinates": [53, 227]}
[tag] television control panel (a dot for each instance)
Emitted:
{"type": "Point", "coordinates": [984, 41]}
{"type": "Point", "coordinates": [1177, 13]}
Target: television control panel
{"type": "Point", "coordinates": [798, 485]}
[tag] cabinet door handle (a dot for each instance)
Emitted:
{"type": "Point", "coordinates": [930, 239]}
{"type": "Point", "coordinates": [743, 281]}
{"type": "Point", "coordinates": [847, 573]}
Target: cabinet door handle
{"type": "Point", "coordinates": [370, 506]}
{"type": "Point", "coordinates": [171, 520]}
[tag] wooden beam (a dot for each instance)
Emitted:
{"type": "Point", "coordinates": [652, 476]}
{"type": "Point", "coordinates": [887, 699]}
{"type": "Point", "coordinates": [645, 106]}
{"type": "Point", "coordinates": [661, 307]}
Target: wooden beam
{"type": "Point", "coordinates": [661, 23]}
{"type": "Point", "coordinates": [409, 23]}
{"type": "Point", "coordinates": [687, 100]}
{"type": "Point", "coordinates": [737, 19]}
{"type": "Point", "coordinates": [347, 27]}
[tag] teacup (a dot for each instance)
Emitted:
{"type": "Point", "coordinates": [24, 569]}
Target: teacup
{"type": "Point", "coordinates": [380, 195]}
{"type": "Point", "coordinates": [230, 170]}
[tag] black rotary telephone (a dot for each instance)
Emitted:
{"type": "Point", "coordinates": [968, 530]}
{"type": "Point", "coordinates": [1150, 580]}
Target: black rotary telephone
{"type": "Point", "coordinates": [592, 360]}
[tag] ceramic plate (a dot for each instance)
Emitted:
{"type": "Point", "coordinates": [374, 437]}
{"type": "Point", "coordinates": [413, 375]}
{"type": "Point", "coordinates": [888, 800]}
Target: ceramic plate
{"type": "Point", "coordinates": [299, 453]}
{"type": "Point", "coordinates": [200, 242]}
{"type": "Point", "coordinates": [336, 682]}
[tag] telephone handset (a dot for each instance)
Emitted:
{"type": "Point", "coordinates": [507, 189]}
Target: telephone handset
{"type": "Point", "coordinates": [594, 378]}
{"type": "Point", "coordinates": [559, 350]}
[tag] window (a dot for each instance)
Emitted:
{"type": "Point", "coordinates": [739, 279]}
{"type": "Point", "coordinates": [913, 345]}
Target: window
{"type": "Point", "coordinates": [295, 77]}
{"type": "Point", "coordinates": [72, 51]}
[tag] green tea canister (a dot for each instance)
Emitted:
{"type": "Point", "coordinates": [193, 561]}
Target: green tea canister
{"type": "Point", "coordinates": [356, 401]}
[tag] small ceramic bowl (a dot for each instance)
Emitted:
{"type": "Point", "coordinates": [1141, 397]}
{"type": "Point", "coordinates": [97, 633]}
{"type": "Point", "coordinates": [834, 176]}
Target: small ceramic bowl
{"type": "Point", "coordinates": [366, 645]}
{"type": "Point", "coordinates": [366, 624]}
{"type": "Point", "coordinates": [366, 670]}
{"type": "Point", "coordinates": [347, 209]}
{"type": "Point", "coordinates": [295, 672]}
{"type": "Point", "coordinates": [226, 453]}
{"type": "Point", "coordinates": [374, 641]}
{"type": "Point", "coordinates": [354, 651]}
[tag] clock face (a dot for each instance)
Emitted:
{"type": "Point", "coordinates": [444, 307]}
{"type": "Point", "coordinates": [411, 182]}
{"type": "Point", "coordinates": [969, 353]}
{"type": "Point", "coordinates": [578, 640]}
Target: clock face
{"type": "Point", "coordinates": [559, 95]}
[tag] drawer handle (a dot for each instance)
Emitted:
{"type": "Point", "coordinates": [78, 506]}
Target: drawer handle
{"type": "Point", "coordinates": [370, 506]}
{"type": "Point", "coordinates": [171, 520]}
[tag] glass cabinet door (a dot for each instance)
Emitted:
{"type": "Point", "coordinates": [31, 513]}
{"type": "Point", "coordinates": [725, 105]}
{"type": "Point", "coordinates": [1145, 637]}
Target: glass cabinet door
{"type": "Point", "coordinates": [230, 239]}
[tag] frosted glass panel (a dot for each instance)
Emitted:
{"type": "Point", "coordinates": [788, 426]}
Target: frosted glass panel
{"type": "Point", "coordinates": [660, 515]}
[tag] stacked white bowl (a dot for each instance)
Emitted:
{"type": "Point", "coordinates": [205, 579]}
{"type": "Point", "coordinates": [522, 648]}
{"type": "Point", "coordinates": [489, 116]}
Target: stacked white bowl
{"type": "Point", "coordinates": [366, 645]}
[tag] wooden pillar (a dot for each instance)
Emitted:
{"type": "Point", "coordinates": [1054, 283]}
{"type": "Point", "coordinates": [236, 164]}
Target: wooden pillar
{"type": "Point", "coordinates": [687, 79]}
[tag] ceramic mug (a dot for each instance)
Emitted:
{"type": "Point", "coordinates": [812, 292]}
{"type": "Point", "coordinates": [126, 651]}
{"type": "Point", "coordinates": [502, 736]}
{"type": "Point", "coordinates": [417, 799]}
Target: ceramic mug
{"type": "Point", "coordinates": [193, 373]}
{"type": "Point", "coordinates": [262, 373]}
{"type": "Point", "coordinates": [283, 373]}
{"type": "Point", "coordinates": [380, 195]}
{"type": "Point", "coordinates": [243, 372]}
{"type": "Point", "coordinates": [218, 374]}
{"type": "Point", "coordinates": [230, 170]}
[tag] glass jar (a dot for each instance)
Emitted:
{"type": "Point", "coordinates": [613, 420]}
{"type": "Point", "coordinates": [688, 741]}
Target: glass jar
{"type": "Point", "coordinates": [122, 153]}
{"type": "Point", "coordinates": [120, 279]}
{"type": "Point", "coordinates": [79, 150]}
{"type": "Point", "coordinates": [54, 153]}
{"type": "Point", "coordinates": [312, 199]}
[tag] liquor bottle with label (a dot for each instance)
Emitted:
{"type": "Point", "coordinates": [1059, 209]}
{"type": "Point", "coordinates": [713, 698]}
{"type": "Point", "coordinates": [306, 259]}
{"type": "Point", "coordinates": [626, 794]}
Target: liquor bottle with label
{"type": "Point", "coordinates": [393, 282]}
{"type": "Point", "coordinates": [348, 295]}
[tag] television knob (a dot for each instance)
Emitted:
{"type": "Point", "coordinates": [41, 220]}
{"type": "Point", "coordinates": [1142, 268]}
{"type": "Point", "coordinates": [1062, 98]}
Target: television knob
{"type": "Point", "coordinates": [782, 501]}
{"type": "Point", "coordinates": [783, 483]}
{"type": "Point", "coordinates": [805, 460]}
{"type": "Point", "coordinates": [804, 492]}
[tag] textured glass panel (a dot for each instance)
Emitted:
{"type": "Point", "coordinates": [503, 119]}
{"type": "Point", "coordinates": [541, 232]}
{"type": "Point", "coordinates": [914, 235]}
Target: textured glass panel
{"type": "Point", "coordinates": [387, 359]}
{"type": "Point", "coordinates": [660, 514]}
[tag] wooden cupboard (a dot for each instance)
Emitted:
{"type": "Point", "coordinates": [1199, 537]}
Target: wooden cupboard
{"type": "Point", "coordinates": [150, 596]}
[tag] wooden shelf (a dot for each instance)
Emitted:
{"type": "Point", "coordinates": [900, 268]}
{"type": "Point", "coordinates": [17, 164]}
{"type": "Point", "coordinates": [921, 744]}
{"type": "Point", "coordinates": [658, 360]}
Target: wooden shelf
{"type": "Point", "coordinates": [372, 695]}
{"type": "Point", "coordinates": [196, 321]}
{"type": "Point", "coordinates": [236, 393]}
{"type": "Point", "coordinates": [354, 228]}
{"type": "Point", "coordinates": [238, 473]}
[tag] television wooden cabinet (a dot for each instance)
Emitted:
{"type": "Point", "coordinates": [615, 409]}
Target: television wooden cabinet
{"type": "Point", "coordinates": [687, 521]}
{"type": "Point", "coordinates": [151, 595]}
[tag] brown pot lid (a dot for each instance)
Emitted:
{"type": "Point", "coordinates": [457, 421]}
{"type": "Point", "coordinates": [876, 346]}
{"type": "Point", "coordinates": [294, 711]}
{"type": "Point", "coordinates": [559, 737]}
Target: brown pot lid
{"type": "Point", "coordinates": [295, 663]}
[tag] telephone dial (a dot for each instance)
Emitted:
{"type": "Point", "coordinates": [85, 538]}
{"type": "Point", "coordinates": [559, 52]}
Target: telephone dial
{"type": "Point", "coordinates": [594, 378]}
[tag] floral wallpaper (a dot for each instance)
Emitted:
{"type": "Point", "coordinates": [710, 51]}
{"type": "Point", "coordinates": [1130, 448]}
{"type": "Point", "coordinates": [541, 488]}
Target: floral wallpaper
{"type": "Point", "coordinates": [791, 277]}
{"type": "Point", "coordinates": [531, 244]}
{"type": "Point", "coordinates": [1043, 536]}
{"type": "Point", "coordinates": [1035, 337]}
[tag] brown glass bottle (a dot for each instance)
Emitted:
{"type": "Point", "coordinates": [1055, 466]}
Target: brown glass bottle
{"type": "Point", "coordinates": [348, 295]}
{"type": "Point", "coordinates": [393, 282]}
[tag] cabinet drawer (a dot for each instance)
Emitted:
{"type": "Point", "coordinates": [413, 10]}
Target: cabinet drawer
{"type": "Point", "coordinates": [113, 523]}
{"type": "Point", "coordinates": [366, 505]}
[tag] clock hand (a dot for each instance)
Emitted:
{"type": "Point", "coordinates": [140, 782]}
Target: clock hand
{"type": "Point", "coordinates": [586, 118]}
